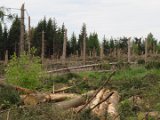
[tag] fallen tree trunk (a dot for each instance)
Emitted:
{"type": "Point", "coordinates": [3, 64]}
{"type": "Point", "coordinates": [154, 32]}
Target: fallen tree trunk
{"type": "Point", "coordinates": [33, 99]}
{"type": "Point", "coordinates": [113, 105]}
{"type": "Point", "coordinates": [63, 89]}
{"type": "Point", "coordinates": [96, 100]}
{"type": "Point", "coordinates": [75, 102]}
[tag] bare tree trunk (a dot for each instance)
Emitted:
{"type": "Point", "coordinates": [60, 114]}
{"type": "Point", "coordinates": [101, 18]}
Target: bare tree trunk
{"type": "Point", "coordinates": [22, 30]}
{"type": "Point", "coordinates": [146, 50]}
{"type": "Point", "coordinates": [64, 47]}
{"type": "Point", "coordinates": [42, 53]}
{"type": "Point", "coordinates": [33, 99]}
{"type": "Point", "coordinates": [6, 57]}
{"type": "Point", "coordinates": [119, 53]}
{"type": "Point", "coordinates": [84, 49]}
{"type": "Point", "coordinates": [29, 35]}
{"type": "Point", "coordinates": [129, 50]}
{"type": "Point", "coordinates": [101, 52]}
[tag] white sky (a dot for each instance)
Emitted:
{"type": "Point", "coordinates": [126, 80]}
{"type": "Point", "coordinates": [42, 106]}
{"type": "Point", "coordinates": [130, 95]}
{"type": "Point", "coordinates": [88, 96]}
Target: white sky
{"type": "Point", "coordinates": [115, 18]}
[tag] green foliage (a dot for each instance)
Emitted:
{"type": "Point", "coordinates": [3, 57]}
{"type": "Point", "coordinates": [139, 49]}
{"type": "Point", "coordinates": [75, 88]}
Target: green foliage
{"type": "Point", "coordinates": [13, 37]}
{"type": "Point", "coordinates": [73, 43]}
{"type": "Point", "coordinates": [93, 43]}
{"type": "Point", "coordinates": [24, 71]}
{"type": "Point", "coordinates": [81, 38]}
{"type": "Point", "coordinates": [125, 110]}
{"type": "Point", "coordinates": [8, 97]}
{"type": "Point", "coordinates": [151, 42]}
{"type": "Point", "coordinates": [138, 46]}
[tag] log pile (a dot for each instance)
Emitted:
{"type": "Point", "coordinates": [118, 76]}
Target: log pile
{"type": "Point", "coordinates": [104, 105]}
{"type": "Point", "coordinates": [101, 102]}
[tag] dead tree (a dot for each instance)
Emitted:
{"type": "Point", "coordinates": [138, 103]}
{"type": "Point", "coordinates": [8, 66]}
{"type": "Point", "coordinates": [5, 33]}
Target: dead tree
{"type": "Point", "coordinates": [64, 47]}
{"type": "Point", "coordinates": [129, 50]}
{"type": "Point", "coordinates": [22, 30]}
{"type": "Point", "coordinates": [29, 34]}
{"type": "Point", "coordinates": [42, 53]}
{"type": "Point", "coordinates": [84, 48]}
{"type": "Point", "coordinates": [146, 50]}
{"type": "Point", "coordinates": [101, 52]}
{"type": "Point", "coordinates": [6, 57]}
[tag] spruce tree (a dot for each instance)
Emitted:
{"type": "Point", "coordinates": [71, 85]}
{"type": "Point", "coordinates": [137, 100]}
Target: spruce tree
{"type": "Point", "coordinates": [73, 43]}
{"type": "Point", "coordinates": [93, 43]}
{"type": "Point", "coordinates": [80, 40]}
{"type": "Point", "coordinates": [14, 37]}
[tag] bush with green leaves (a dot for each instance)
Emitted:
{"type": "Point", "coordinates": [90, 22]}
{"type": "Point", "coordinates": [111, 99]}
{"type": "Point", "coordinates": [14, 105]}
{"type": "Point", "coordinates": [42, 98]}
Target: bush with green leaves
{"type": "Point", "coordinates": [24, 71]}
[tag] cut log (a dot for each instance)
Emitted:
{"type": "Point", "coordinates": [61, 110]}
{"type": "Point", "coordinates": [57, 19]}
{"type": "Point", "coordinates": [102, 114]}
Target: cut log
{"type": "Point", "coordinates": [103, 107]}
{"type": "Point", "coordinates": [112, 107]}
{"type": "Point", "coordinates": [97, 91]}
{"type": "Point", "coordinates": [33, 99]}
{"type": "Point", "coordinates": [75, 102]}
{"type": "Point", "coordinates": [96, 100]}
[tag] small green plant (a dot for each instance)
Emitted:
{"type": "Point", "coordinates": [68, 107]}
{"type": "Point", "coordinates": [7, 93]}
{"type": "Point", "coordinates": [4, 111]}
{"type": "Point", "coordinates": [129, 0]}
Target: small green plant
{"type": "Point", "coordinates": [24, 71]}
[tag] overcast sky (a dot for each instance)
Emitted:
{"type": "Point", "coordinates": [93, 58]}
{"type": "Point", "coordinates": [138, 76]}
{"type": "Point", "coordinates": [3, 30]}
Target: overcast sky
{"type": "Point", "coordinates": [114, 18]}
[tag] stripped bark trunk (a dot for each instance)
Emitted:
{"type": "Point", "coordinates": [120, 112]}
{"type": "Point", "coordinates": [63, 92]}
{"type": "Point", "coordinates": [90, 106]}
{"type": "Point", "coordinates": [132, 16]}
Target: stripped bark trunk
{"type": "Point", "coordinates": [34, 99]}
{"type": "Point", "coordinates": [75, 102]}
{"type": "Point", "coordinates": [112, 107]}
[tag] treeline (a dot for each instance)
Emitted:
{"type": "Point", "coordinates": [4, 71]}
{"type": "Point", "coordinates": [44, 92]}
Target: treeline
{"type": "Point", "coordinates": [54, 36]}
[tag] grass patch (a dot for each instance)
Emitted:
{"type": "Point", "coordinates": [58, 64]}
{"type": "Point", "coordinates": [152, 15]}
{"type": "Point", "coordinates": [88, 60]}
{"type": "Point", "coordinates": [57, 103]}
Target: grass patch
{"type": "Point", "coordinates": [8, 97]}
{"type": "Point", "coordinates": [46, 112]}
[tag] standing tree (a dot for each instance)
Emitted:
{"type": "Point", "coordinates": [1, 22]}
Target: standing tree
{"type": "Point", "coordinates": [73, 44]}
{"type": "Point", "coordinates": [81, 38]}
{"type": "Point", "coordinates": [49, 38]}
{"type": "Point", "coordinates": [111, 46]}
{"type": "Point", "coordinates": [36, 42]}
{"type": "Point", "coordinates": [105, 46]}
{"type": "Point", "coordinates": [14, 37]}
{"type": "Point", "coordinates": [151, 43]}
{"type": "Point", "coordinates": [93, 43]}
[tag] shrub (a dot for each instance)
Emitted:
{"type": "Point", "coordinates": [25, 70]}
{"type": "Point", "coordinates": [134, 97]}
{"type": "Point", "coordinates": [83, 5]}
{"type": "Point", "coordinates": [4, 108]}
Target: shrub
{"type": "Point", "coordinates": [24, 71]}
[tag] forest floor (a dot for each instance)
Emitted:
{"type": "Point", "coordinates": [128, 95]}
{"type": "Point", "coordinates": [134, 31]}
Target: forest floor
{"type": "Point", "coordinates": [138, 86]}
